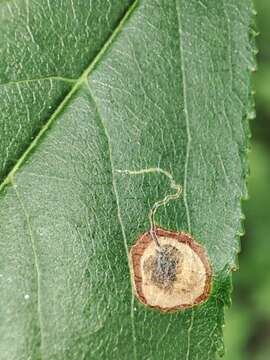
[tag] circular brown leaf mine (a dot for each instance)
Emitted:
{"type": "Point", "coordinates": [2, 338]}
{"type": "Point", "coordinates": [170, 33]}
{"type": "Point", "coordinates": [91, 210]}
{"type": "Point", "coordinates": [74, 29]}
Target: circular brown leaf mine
{"type": "Point", "coordinates": [176, 275]}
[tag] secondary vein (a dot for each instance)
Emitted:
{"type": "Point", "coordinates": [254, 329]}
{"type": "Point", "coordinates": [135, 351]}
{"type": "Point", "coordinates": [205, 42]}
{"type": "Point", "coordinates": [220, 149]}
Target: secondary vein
{"type": "Point", "coordinates": [183, 70]}
{"type": "Point", "coordinates": [118, 214]}
{"type": "Point", "coordinates": [34, 250]}
{"type": "Point", "coordinates": [25, 81]}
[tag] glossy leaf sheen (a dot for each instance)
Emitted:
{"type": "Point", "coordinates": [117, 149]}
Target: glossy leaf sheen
{"type": "Point", "coordinates": [89, 87]}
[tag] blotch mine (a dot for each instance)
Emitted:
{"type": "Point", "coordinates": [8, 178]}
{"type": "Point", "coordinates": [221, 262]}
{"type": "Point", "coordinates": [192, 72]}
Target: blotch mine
{"type": "Point", "coordinates": [174, 276]}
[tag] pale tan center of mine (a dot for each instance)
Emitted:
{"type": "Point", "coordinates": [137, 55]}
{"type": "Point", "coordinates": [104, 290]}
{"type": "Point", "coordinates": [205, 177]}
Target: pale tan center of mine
{"type": "Point", "coordinates": [188, 281]}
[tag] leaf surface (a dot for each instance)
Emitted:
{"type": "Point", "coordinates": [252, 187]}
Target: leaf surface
{"type": "Point", "coordinates": [90, 88]}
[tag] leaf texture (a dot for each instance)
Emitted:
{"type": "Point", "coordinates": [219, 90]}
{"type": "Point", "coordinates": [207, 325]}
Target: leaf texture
{"type": "Point", "coordinates": [89, 88]}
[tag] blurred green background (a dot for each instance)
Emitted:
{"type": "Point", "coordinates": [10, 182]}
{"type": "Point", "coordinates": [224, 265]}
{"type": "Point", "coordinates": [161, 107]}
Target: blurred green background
{"type": "Point", "coordinates": [247, 329]}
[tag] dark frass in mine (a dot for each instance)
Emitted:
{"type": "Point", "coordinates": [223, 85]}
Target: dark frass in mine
{"type": "Point", "coordinates": [163, 266]}
{"type": "Point", "coordinates": [172, 273]}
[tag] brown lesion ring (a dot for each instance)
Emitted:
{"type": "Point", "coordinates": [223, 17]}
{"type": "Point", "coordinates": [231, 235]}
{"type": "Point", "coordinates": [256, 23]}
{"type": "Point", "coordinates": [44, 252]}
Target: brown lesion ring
{"type": "Point", "coordinates": [137, 251]}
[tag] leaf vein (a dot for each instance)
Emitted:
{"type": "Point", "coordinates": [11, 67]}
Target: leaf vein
{"type": "Point", "coordinates": [183, 71]}
{"type": "Point", "coordinates": [113, 170]}
{"type": "Point", "coordinates": [34, 250]}
{"type": "Point", "coordinates": [25, 81]}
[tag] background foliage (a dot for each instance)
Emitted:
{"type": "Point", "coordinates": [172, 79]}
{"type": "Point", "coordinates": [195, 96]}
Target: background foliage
{"type": "Point", "coordinates": [247, 331]}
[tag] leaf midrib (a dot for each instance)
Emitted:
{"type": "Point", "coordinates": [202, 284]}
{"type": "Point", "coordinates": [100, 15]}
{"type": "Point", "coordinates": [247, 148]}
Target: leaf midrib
{"type": "Point", "coordinates": [77, 85]}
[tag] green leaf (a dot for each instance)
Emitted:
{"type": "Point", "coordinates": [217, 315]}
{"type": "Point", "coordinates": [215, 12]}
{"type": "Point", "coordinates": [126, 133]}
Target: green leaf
{"type": "Point", "coordinates": [88, 88]}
